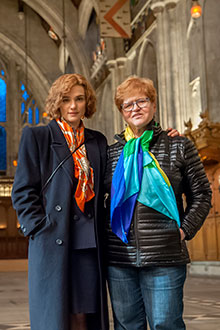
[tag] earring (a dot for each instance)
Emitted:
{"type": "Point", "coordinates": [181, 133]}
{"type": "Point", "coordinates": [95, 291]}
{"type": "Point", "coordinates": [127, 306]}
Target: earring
{"type": "Point", "coordinates": [82, 117]}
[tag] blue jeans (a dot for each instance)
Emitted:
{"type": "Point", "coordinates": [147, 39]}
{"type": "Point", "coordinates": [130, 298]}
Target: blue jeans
{"type": "Point", "coordinates": [151, 293]}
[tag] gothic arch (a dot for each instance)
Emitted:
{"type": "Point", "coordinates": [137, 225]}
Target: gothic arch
{"type": "Point", "coordinates": [107, 111]}
{"type": "Point", "coordinates": [147, 64]}
{"type": "Point", "coordinates": [36, 79]}
{"type": "Point", "coordinates": [147, 52]}
{"type": "Point", "coordinates": [4, 67]}
{"type": "Point", "coordinates": [85, 10]}
{"type": "Point", "coordinates": [52, 13]}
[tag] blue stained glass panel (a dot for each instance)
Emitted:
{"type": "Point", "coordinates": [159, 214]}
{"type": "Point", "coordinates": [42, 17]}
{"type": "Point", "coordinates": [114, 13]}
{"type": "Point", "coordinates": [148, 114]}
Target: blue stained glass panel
{"type": "Point", "coordinates": [2, 72]}
{"type": "Point", "coordinates": [25, 95]}
{"type": "Point", "coordinates": [22, 107]}
{"type": "Point", "coordinates": [22, 87]}
{"type": "Point", "coordinates": [3, 91]}
{"type": "Point", "coordinates": [37, 117]}
{"type": "Point", "coordinates": [30, 116]}
{"type": "Point", "coordinates": [2, 149]}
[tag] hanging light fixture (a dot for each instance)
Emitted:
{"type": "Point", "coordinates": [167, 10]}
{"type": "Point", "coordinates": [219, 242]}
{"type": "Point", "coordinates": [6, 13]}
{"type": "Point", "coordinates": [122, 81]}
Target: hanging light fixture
{"type": "Point", "coordinates": [64, 37]}
{"type": "Point", "coordinates": [52, 34]}
{"type": "Point", "coordinates": [20, 10]}
{"type": "Point", "coordinates": [196, 9]}
{"type": "Point", "coordinates": [26, 45]}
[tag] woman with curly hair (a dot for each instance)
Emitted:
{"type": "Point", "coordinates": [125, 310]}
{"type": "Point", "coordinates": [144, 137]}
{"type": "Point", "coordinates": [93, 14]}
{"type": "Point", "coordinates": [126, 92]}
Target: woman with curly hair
{"type": "Point", "coordinates": [58, 196]}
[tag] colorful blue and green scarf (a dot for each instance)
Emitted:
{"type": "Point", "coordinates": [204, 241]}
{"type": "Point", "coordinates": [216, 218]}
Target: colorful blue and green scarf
{"type": "Point", "coordinates": [138, 177]}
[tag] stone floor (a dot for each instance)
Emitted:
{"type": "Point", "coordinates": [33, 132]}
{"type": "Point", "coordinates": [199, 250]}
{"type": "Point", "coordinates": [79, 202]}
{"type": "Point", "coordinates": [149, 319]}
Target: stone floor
{"type": "Point", "coordinates": [202, 301]}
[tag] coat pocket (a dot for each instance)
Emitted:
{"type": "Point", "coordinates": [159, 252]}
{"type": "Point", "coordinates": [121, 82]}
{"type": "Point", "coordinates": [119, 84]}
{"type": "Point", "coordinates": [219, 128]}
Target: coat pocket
{"type": "Point", "coordinates": [41, 227]}
{"type": "Point", "coordinates": [159, 235]}
{"type": "Point", "coordinates": [168, 237]}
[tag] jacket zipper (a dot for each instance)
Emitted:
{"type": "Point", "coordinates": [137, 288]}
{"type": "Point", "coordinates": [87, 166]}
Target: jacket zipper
{"type": "Point", "coordinates": [138, 259]}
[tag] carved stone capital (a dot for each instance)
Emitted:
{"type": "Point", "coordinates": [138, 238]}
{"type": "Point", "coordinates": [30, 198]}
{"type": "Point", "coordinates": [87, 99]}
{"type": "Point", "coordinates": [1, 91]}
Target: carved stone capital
{"type": "Point", "coordinates": [121, 61]}
{"type": "Point", "coordinates": [158, 6]}
{"type": "Point", "coordinates": [111, 64]}
{"type": "Point", "coordinates": [170, 4]}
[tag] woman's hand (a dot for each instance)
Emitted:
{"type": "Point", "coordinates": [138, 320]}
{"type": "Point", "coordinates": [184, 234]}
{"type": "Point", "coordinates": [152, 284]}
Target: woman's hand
{"type": "Point", "coordinates": [182, 234]}
{"type": "Point", "coordinates": [172, 132]}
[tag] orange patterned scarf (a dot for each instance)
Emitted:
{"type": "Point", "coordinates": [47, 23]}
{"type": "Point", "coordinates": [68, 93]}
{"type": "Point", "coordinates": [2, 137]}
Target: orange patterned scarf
{"type": "Point", "coordinates": [82, 170]}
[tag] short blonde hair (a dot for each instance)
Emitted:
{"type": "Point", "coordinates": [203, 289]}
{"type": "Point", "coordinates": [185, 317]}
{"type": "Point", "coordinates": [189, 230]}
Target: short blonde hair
{"type": "Point", "coordinates": [62, 86]}
{"type": "Point", "coordinates": [134, 83]}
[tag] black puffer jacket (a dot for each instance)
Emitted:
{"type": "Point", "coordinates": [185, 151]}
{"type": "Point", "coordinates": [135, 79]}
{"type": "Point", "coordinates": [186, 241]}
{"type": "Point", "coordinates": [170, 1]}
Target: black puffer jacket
{"type": "Point", "coordinates": [155, 238]}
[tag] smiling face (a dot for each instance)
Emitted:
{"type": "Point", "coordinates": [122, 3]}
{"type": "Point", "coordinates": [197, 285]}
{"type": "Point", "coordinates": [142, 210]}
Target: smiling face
{"type": "Point", "coordinates": [73, 106]}
{"type": "Point", "coordinates": [138, 118]}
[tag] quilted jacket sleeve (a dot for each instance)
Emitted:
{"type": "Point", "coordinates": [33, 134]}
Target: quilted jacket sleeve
{"type": "Point", "coordinates": [197, 191]}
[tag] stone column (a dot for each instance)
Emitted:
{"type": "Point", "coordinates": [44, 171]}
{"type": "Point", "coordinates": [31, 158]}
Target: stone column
{"type": "Point", "coordinates": [118, 74]}
{"type": "Point", "coordinates": [170, 61]}
{"type": "Point", "coordinates": [13, 117]}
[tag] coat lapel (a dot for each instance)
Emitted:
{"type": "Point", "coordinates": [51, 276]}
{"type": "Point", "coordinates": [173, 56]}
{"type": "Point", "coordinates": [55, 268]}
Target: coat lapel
{"type": "Point", "coordinates": [61, 150]}
{"type": "Point", "coordinates": [93, 157]}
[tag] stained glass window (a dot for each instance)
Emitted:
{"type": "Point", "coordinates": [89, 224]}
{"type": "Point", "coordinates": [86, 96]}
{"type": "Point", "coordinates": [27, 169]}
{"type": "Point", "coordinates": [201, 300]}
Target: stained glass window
{"type": "Point", "coordinates": [30, 116]}
{"type": "Point", "coordinates": [37, 116]}
{"type": "Point", "coordinates": [2, 149]}
{"type": "Point", "coordinates": [3, 92]}
{"type": "Point", "coordinates": [29, 110]}
{"type": "Point", "coordinates": [22, 107]}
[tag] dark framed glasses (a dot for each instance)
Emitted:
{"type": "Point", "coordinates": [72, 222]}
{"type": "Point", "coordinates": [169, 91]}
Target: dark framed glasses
{"type": "Point", "coordinates": [141, 103]}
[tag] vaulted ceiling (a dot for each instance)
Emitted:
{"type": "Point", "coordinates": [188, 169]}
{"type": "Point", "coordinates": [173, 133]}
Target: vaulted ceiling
{"type": "Point", "coordinates": [26, 40]}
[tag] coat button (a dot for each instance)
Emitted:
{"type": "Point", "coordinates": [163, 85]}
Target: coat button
{"type": "Point", "coordinates": [58, 208]}
{"type": "Point", "coordinates": [89, 215]}
{"type": "Point", "coordinates": [59, 241]}
{"type": "Point", "coordinates": [75, 217]}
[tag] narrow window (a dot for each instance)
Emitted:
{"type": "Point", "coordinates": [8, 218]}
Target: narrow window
{"type": "Point", "coordinates": [2, 149]}
{"type": "Point", "coordinates": [3, 92]}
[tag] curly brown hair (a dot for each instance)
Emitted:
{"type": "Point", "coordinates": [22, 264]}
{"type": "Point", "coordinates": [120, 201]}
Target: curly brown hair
{"type": "Point", "coordinates": [137, 84]}
{"type": "Point", "coordinates": [62, 86]}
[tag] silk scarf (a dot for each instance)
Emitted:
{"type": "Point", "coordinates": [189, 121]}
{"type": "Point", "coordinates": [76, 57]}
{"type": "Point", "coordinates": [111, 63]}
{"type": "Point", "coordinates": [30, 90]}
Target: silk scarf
{"type": "Point", "coordinates": [139, 177]}
{"type": "Point", "coordinates": [83, 172]}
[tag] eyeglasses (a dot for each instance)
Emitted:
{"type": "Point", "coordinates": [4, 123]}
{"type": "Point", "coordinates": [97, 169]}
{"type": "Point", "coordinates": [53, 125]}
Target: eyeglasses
{"type": "Point", "coordinates": [141, 103]}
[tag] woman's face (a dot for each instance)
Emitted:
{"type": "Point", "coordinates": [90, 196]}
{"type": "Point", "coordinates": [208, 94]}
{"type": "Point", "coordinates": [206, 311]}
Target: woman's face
{"type": "Point", "coordinates": [73, 106]}
{"type": "Point", "coordinates": [138, 118]}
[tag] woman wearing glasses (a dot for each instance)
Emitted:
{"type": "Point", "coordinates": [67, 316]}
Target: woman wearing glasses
{"type": "Point", "coordinates": [147, 174]}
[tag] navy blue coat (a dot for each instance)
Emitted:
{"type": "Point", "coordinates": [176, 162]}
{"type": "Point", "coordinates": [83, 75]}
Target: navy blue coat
{"type": "Point", "coordinates": [45, 218]}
